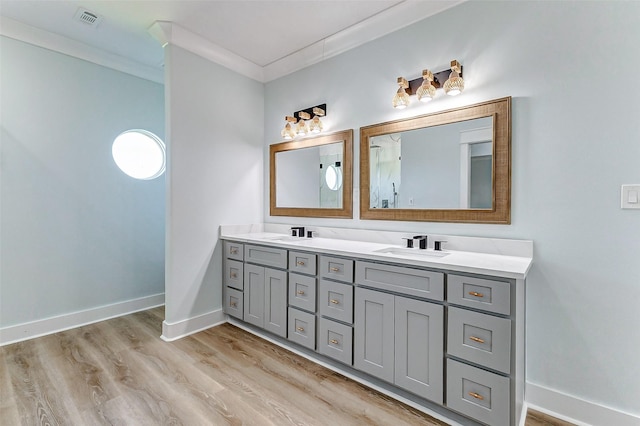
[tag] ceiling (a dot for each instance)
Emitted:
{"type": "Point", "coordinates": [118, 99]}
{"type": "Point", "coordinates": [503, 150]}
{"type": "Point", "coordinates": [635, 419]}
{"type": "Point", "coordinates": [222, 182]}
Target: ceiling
{"type": "Point", "coordinates": [262, 32]}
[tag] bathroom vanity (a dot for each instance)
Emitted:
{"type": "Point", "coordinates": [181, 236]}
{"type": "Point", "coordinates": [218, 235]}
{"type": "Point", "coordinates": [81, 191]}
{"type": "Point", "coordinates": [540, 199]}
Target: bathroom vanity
{"type": "Point", "coordinates": [440, 330]}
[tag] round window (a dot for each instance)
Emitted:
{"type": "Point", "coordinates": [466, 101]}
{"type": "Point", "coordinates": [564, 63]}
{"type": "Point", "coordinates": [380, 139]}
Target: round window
{"type": "Point", "coordinates": [333, 177]}
{"type": "Point", "coordinates": [139, 154]}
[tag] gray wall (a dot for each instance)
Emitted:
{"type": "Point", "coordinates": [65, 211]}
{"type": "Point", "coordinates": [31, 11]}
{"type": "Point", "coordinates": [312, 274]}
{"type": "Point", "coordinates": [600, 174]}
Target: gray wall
{"type": "Point", "coordinates": [77, 233]}
{"type": "Point", "coordinates": [214, 175]}
{"type": "Point", "coordinates": [575, 141]}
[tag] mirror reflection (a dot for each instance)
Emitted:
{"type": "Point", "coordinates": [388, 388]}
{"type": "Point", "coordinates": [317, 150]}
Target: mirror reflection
{"type": "Point", "coordinates": [310, 177]}
{"type": "Point", "coordinates": [447, 166]}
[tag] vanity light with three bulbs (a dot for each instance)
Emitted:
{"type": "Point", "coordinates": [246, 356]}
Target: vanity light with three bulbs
{"type": "Point", "coordinates": [454, 85]}
{"type": "Point", "coordinates": [301, 123]}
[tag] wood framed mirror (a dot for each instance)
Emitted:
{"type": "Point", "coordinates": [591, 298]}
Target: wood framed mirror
{"type": "Point", "coordinates": [312, 177]}
{"type": "Point", "coordinates": [449, 166]}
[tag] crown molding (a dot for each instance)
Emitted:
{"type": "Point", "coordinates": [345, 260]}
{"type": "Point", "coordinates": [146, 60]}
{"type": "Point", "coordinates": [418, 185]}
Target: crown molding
{"type": "Point", "coordinates": [383, 23]}
{"type": "Point", "coordinates": [18, 31]}
{"type": "Point", "coordinates": [171, 33]}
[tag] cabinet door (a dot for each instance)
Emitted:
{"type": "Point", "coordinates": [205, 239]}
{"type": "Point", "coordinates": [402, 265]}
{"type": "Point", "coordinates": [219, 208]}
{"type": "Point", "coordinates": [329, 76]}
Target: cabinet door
{"type": "Point", "coordinates": [373, 328]}
{"type": "Point", "coordinates": [419, 347]}
{"type": "Point", "coordinates": [254, 295]}
{"type": "Point", "coordinates": [275, 301]}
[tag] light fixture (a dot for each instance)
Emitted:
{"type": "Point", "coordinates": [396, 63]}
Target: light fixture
{"type": "Point", "coordinates": [401, 99]}
{"type": "Point", "coordinates": [425, 87]}
{"type": "Point", "coordinates": [300, 124]}
{"type": "Point", "coordinates": [302, 128]}
{"type": "Point", "coordinates": [288, 133]}
{"type": "Point", "coordinates": [316, 125]}
{"type": "Point", "coordinates": [455, 84]}
{"type": "Point", "coordinates": [426, 92]}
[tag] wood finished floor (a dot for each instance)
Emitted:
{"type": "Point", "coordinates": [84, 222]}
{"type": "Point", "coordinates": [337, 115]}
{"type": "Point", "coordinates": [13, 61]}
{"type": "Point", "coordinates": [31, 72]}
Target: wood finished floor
{"type": "Point", "coordinates": [119, 372]}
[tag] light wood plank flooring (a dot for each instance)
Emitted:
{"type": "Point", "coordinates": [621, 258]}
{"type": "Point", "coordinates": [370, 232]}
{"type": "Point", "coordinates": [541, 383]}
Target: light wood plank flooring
{"type": "Point", "coordinates": [119, 372]}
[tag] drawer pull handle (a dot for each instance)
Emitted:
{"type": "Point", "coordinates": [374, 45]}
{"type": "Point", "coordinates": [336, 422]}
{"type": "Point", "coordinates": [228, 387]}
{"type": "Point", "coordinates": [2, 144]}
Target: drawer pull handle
{"type": "Point", "coordinates": [334, 301]}
{"type": "Point", "coordinates": [234, 304]}
{"type": "Point", "coordinates": [301, 329]}
{"type": "Point", "coordinates": [234, 251]}
{"type": "Point", "coordinates": [300, 263]}
{"type": "Point", "coordinates": [476, 395]}
{"type": "Point", "coordinates": [334, 269]}
{"type": "Point", "coordinates": [333, 341]}
{"type": "Point", "coordinates": [234, 275]}
{"type": "Point", "coordinates": [476, 294]}
{"type": "Point", "coordinates": [476, 339]}
{"type": "Point", "coordinates": [300, 292]}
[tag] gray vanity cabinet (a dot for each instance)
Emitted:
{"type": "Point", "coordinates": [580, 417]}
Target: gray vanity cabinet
{"type": "Point", "coordinates": [373, 349]}
{"type": "Point", "coordinates": [265, 303]}
{"type": "Point", "coordinates": [400, 340]}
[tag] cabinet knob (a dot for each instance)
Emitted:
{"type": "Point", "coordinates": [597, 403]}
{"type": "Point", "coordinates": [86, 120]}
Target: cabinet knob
{"type": "Point", "coordinates": [334, 301]}
{"type": "Point", "coordinates": [333, 341]}
{"type": "Point", "coordinates": [300, 292]}
{"type": "Point", "coordinates": [301, 329]}
{"type": "Point", "coordinates": [476, 339]}
{"type": "Point", "coordinates": [234, 304]}
{"type": "Point", "coordinates": [234, 251]}
{"type": "Point", "coordinates": [300, 263]}
{"type": "Point", "coordinates": [476, 294]}
{"type": "Point", "coordinates": [334, 269]}
{"type": "Point", "coordinates": [476, 395]}
{"type": "Point", "coordinates": [234, 275]}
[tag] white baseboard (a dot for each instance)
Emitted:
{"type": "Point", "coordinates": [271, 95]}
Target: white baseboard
{"type": "Point", "coordinates": [30, 330]}
{"type": "Point", "coordinates": [575, 410]}
{"type": "Point", "coordinates": [180, 329]}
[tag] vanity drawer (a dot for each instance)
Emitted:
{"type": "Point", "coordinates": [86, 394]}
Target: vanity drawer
{"type": "Point", "coordinates": [302, 328]}
{"type": "Point", "coordinates": [335, 340]}
{"type": "Point", "coordinates": [233, 276]}
{"type": "Point", "coordinates": [233, 250]}
{"type": "Point", "coordinates": [268, 256]}
{"type": "Point", "coordinates": [480, 338]}
{"type": "Point", "coordinates": [478, 393]}
{"type": "Point", "coordinates": [479, 293]}
{"type": "Point", "coordinates": [302, 292]}
{"type": "Point", "coordinates": [408, 281]}
{"type": "Point", "coordinates": [304, 263]}
{"type": "Point", "coordinates": [336, 300]}
{"type": "Point", "coordinates": [233, 302]}
{"type": "Point", "coordinates": [336, 268]}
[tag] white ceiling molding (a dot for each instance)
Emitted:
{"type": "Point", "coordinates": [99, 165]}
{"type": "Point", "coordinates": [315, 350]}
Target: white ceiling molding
{"type": "Point", "coordinates": [383, 23]}
{"type": "Point", "coordinates": [379, 25]}
{"type": "Point", "coordinates": [57, 43]}
{"type": "Point", "coordinates": [169, 32]}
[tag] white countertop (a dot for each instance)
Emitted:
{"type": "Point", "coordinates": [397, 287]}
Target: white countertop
{"type": "Point", "coordinates": [498, 265]}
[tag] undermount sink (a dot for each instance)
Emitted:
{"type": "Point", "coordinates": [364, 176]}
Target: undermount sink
{"type": "Point", "coordinates": [411, 252]}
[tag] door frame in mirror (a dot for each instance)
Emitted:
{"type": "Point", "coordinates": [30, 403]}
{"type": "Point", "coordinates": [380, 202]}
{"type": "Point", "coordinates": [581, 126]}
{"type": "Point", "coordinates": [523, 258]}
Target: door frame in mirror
{"type": "Point", "coordinates": [345, 136]}
{"type": "Point", "coordinates": [500, 213]}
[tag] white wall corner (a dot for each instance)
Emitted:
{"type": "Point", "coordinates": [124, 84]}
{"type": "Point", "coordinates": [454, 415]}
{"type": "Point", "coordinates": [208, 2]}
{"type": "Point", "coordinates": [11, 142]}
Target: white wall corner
{"type": "Point", "coordinates": [184, 328]}
{"type": "Point", "coordinates": [31, 330]}
{"type": "Point", "coordinates": [171, 33]}
{"type": "Point", "coordinates": [575, 410]}
{"type": "Point", "coordinates": [57, 43]}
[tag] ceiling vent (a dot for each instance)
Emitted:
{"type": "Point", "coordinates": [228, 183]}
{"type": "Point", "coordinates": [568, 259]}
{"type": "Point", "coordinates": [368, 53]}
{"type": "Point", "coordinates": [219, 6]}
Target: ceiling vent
{"type": "Point", "coordinates": [88, 18]}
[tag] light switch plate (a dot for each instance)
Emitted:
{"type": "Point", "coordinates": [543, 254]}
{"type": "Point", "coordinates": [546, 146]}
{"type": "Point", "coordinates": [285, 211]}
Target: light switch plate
{"type": "Point", "coordinates": [630, 197]}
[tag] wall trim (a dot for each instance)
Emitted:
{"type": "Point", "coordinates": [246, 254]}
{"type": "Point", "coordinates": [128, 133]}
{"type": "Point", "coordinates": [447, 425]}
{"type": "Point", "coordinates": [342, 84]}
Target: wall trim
{"type": "Point", "coordinates": [385, 22]}
{"type": "Point", "coordinates": [43, 327]}
{"type": "Point", "coordinates": [184, 328]}
{"type": "Point", "coordinates": [57, 43]}
{"type": "Point", "coordinates": [573, 409]}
